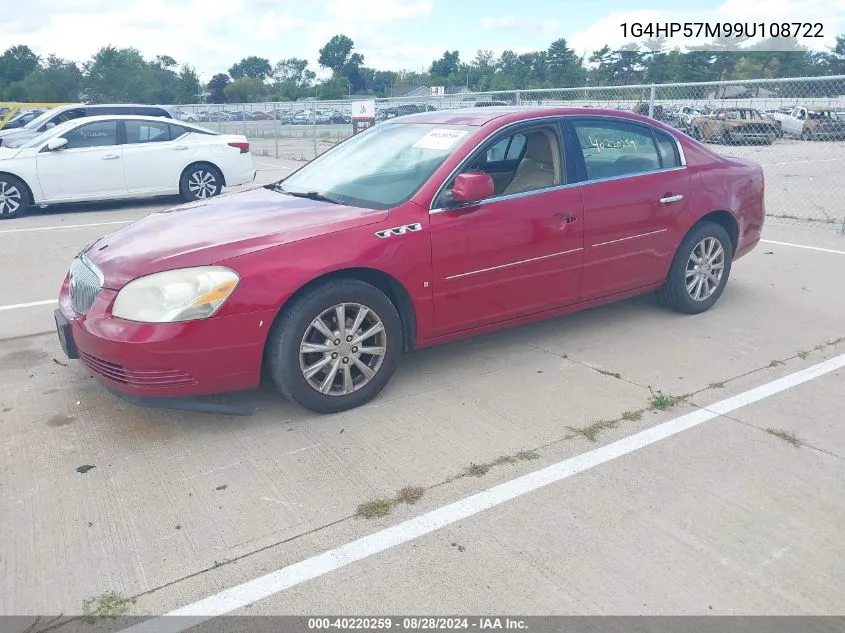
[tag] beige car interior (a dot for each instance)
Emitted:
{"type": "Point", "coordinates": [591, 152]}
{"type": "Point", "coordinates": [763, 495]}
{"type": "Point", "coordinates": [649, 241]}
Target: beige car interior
{"type": "Point", "coordinates": [540, 168]}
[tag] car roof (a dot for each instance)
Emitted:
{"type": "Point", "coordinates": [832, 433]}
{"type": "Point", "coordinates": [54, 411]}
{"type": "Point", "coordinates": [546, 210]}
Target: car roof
{"type": "Point", "coordinates": [482, 116]}
{"type": "Point", "coordinates": [127, 117]}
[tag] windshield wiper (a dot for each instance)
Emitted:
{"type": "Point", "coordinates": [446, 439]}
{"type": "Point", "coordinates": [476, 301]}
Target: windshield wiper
{"type": "Point", "coordinates": [311, 195]}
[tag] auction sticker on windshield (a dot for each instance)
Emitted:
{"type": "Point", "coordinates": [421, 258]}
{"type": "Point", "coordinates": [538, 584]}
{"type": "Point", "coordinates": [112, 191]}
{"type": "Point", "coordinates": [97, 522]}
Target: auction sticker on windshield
{"type": "Point", "coordinates": [439, 139]}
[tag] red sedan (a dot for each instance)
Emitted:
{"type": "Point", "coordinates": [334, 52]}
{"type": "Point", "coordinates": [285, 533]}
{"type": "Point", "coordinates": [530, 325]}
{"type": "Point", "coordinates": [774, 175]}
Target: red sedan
{"type": "Point", "coordinates": [420, 230]}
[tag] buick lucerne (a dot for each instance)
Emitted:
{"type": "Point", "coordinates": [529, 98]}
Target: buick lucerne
{"type": "Point", "coordinates": [420, 230]}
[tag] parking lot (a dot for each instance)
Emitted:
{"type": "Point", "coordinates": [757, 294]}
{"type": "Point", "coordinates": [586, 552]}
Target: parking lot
{"type": "Point", "coordinates": [623, 460]}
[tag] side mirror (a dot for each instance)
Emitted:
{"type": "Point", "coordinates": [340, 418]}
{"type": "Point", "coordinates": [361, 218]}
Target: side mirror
{"type": "Point", "coordinates": [49, 125]}
{"type": "Point", "coordinates": [472, 187]}
{"type": "Point", "coordinates": [55, 144]}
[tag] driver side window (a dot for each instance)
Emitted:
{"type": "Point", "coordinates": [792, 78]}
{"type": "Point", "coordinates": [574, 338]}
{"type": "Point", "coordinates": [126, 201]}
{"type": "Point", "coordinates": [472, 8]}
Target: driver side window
{"type": "Point", "coordinates": [529, 160]}
{"type": "Point", "coordinates": [98, 134]}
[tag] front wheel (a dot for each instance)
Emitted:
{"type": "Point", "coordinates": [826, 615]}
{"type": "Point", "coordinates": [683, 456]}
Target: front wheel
{"type": "Point", "coordinates": [806, 135]}
{"type": "Point", "coordinates": [336, 347]}
{"type": "Point", "coordinates": [14, 199]}
{"type": "Point", "coordinates": [700, 270]}
{"type": "Point", "coordinates": [200, 182]}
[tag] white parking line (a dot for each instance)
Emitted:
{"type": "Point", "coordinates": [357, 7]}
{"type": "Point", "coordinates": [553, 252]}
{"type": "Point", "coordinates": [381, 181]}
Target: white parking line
{"type": "Point", "coordinates": [265, 586]}
{"type": "Point", "coordinates": [64, 226]}
{"type": "Point", "coordinates": [809, 248]}
{"type": "Point", "coordinates": [31, 304]}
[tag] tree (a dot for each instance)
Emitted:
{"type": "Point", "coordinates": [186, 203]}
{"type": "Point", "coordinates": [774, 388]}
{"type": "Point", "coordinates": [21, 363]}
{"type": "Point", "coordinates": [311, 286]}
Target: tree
{"type": "Point", "coordinates": [56, 81]}
{"type": "Point", "coordinates": [165, 61]}
{"type": "Point", "coordinates": [189, 85]}
{"type": "Point", "coordinates": [115, 75]}
{"type": "Point", "coordinates": [291, 78]}
{"type": "Point", "coordinates": [252, 67]}
{"type": "Point", "coordinates": [16, 64]}
{"type": "Point", "coordinates": [565, 68]}
{"type": "Point", "coordinates": [447, 65]}
{"type": "Point", "coordinates": [217, 88]}
{"type": "Point", "coordinates": [336, 53]}
{"type": "Point", "coordinates": [245, 90]}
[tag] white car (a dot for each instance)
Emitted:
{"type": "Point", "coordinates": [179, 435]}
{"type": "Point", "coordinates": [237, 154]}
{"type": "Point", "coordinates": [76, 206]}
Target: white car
{"type": "Point", "coordinates": [120, 157]}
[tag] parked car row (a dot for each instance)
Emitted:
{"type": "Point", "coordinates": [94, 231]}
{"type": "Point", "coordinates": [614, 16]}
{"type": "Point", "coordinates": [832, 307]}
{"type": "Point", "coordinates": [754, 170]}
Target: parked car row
{"type": "Point", "coordinates": [739, 124]}
{"type": "Point", "coordinates": [283, 116]}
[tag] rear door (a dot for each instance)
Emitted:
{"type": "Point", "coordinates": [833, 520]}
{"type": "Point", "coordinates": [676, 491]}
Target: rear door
{"type": "Point", "coordinates": [154, 155]}
{"type": "Point", "coordinates": [636, 192]}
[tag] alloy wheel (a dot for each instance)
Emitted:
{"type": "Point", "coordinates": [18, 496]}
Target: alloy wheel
{"type": "Point", "coordinates": [10, 198]}
{"type": "Point", "coordinates": [704, 270]}
{"type": "Point", "coordinates": [343, 349]}
{"type": "Point", "coordinates": [202, 184]}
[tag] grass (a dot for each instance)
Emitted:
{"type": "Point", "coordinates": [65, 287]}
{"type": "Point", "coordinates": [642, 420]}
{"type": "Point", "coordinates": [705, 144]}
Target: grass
{"type": "Point", "coordinates": [378, 508]}
{"type": "Point", "coordinates": [410, 494]}
{"type": "Point", "coordinates": [717, 385]}
{"type": "Point", "coordinates": [592, 431]}
{"type": "Point", "coordinates": [479, 470]}
{"type": "Point", "coordinates": [786, 436]}
{"type": "Point", "coordinates": [374, 509]}
{"type": "Point", "coordinates": [632, 416]}
{"type": "Point", "coordinates": [107, 605]}
{"type": "Point", "coordinates": [659, 400]}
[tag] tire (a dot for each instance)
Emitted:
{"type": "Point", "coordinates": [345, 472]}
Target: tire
{"type": "Point", "coordinates": [674, 293]}
{"type": "Point", "coordinates": [286, 363]}
{"type": "Point", "coordinates": [14, 197]}
{"type": "Point", "coordinates": [806, 135]}
{"type": "Point", "coordinates": [200, 182]}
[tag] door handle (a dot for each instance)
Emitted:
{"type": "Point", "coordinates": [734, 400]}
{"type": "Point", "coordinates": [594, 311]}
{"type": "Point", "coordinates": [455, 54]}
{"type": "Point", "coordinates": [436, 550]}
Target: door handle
{"type": "Point", "coordinates": [670, 199]}
{"type": "Point", "coordinates": [110, 157]}
{"type": "Point", "coordinates": [179, 147]}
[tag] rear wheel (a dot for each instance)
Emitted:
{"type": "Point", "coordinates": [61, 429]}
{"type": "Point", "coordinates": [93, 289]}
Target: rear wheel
{"type": "Point", "coordinates": [336, 347]}
{"type": "Point", "coordinates": [200, 181]}
{"type": "Point", "coordinates": [14, 197]}
{"type": "Point", "coordinates": [700, 270]}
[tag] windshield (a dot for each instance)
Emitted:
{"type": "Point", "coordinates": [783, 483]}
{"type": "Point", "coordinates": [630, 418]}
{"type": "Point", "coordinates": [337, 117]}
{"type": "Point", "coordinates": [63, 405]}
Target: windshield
{"type": "Point", "coordinates": [28, 141]}
{"type": "Point", "coordinates": [40, 120]}
{"type": "Point", "coordinates": [381, 167]}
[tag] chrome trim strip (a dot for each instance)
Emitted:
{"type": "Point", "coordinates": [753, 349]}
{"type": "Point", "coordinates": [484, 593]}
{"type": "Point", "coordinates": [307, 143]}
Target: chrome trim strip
{"type": "Point", "coordinates": [626, 176]}
{"type": "Point", "coordinates": [508, 265]}
{"type": "Point", "coordinates": [681, 155]}
{"type": "Point", "coordinates": [630, 237]}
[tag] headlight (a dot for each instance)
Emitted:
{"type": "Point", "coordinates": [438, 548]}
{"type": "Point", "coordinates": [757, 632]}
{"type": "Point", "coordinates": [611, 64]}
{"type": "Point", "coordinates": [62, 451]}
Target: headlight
{"type": "Point", "coordinates": [175, 295]}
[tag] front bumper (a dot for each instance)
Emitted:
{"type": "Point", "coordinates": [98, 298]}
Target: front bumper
{"type": "Point", "coordinates": [164, 360]}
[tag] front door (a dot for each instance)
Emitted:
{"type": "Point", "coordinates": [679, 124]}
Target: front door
{"type": "Point", "coordinates": [89, 167]}
{"type": "Point", "coordinates": [517, 252]}
{"type": "Point", "coordinates": [636, 193]}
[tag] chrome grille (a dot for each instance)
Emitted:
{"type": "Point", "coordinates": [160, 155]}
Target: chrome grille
{"type": "Point", "coordinates": [86, 281]}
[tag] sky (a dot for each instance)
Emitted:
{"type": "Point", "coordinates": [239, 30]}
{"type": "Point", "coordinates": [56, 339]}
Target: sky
{"type": "Point", "coordinates": [391, 34]}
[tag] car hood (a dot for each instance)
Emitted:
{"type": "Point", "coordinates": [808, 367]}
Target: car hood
{"type": "Point", "coordinates": [18, 135]}
{"type": "Point", "coordinates": [213, 231]}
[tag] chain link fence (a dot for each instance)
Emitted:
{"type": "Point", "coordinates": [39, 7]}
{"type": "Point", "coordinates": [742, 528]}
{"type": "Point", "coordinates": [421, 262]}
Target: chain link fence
{"type": "Point", "coordinates": [794, 127]}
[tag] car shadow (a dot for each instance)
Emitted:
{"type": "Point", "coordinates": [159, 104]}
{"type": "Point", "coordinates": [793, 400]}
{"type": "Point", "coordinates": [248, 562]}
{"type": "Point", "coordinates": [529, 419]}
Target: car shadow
{"type": "Point", "coordinates": [72, 208]}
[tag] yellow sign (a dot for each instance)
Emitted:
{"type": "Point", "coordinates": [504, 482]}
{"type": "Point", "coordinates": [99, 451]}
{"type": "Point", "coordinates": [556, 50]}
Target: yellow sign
{"type": "Point", "coordinates": [15, 106]}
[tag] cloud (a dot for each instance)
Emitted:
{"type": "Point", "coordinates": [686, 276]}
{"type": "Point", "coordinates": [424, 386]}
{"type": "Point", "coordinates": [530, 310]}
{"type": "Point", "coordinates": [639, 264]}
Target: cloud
{"type": "Point", "coordinates": [530, 25]}
{"type": "Point", "coordinates": [609, 31]}
{"type": "Point", "coordinates": [377, 10]}
{"type": "Point", "coordinates": [210, 40]}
